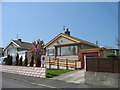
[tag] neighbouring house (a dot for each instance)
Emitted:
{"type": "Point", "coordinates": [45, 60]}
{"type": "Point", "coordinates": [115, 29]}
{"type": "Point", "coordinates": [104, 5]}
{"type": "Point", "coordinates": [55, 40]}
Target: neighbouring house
{"type": "Point", "coordinates": [1, 55]}
{"type": "Point", "coordinates": [1, 52]}
{"type": "Point", "coordinates": [116, 51]}
{"type": "Point", "coordinates": [65, 46]}
{"type": "Point", "coordinates": [17, 46]}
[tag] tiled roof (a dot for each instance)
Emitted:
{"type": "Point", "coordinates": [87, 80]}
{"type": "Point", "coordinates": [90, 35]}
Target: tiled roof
{"type": "Point", "coordinates": [83, 41]}
{"type": "Point", "coordinates": [23, 44]}
{"type": "Point", "coordinates": [77, 40]}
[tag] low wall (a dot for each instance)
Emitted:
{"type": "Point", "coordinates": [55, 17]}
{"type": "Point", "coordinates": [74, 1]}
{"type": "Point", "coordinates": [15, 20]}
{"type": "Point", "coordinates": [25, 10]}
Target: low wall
{"type": "Point", "coordinates": [29, 71]}
{"type": "Point", "coordinates": [102, 79]}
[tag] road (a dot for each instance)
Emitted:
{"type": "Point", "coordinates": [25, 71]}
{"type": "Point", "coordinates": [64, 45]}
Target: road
{"type": "Point", "coordinates": [21, 81]}
{"type": "Point", "coordinates": [12, 83]}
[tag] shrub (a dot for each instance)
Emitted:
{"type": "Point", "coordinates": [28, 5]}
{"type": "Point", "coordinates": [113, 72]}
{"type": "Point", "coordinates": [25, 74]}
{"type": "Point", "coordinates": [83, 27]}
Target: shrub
{"type": "Point", "coordinates": [17, 59]}
{"type": "Point", "coordinates": [113, 56]}
{"type": "Point", "coordinates": [32, 61]}
{"type": "Point", "coordinates": [26, 60]}
{"type": "Point", "coordinates": [38, 62]}
{"type": "Point", "coordinates": [8, 60]}
{"type": "Point", "coordinates": [20, 63]}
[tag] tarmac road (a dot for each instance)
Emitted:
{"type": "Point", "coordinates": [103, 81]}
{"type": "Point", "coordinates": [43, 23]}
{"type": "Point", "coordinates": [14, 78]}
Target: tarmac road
{"type": "Point", "coordinates": [21, 81]}
{"type": "Point", "coordinates": [11, 83]}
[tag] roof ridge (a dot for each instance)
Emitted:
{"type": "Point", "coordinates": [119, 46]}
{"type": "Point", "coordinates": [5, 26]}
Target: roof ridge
{"type": "Point", "coordinates": [22, 41]}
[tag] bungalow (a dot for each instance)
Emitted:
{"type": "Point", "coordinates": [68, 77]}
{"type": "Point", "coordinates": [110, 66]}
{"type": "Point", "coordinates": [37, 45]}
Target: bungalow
{"type": "Point", "coordinates": [65, 46]}
{"type": "Point", "coordinates": [17, 46]}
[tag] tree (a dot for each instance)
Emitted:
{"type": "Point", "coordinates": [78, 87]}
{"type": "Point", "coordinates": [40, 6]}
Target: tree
{"type": "Point", "coordinates": [20, 61]}
{"type": "Point", "coordinates": [17, 59]}
{"type": "Point", "coordinates": [26, 60]}
{"type": "Point", "coordinates": [37, 50]}
{"type": "Point", "coordinates": [32, 61]}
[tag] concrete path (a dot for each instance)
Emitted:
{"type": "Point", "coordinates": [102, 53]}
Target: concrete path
{"type": "Point", "coordinates": [72, 77]}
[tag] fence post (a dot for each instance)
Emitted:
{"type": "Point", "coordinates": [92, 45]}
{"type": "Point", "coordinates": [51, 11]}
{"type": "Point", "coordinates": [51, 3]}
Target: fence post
{"type": "Point", "coordinates": [98, 64]}
{"type": "Point", "coordinates": [66, 63]}
{"type": "Point", "coordinates": [86, 64]}
{"type": "Point", "coordinates": [57, 63]}
{"type": "Point", "coordinates": [112, 65]}
{"type": "Point", "coordinates": [49, 62]}
{"type": "Point", "coordinates": [75, 64]}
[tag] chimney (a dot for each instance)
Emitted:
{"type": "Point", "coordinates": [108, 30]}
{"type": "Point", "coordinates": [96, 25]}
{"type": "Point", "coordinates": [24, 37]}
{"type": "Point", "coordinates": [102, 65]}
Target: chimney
{"type": "Point", "coordinates": [19, 39]}
{"type": "Point", "coordinates": [67, 32]}
{"type": "Point", "coordinates": [97, 43]}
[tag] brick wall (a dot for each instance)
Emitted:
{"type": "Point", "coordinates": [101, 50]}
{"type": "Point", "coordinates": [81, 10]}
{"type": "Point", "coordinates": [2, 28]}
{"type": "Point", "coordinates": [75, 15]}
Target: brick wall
{"type": "Point", "coordinates": [29, 71]}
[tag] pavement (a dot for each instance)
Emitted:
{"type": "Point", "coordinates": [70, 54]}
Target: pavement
{"type": "Point", "coordinates": [47, 83]}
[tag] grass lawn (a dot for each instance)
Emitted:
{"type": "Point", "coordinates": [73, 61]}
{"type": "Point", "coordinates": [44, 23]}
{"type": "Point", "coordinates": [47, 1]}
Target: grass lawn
{"type": "Point", "coordinates": [55, 72]}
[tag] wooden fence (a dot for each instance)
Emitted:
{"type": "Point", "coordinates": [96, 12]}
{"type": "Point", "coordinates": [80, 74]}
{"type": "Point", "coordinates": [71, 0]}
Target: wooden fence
{"type": "Point", "coordinates": [103, 65]}
{"type": "Point", "coordinates": [64, 63]}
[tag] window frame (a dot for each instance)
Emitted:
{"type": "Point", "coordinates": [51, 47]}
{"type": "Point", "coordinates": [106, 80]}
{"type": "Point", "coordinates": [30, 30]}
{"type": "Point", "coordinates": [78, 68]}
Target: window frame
{"type": "Point", "coordinates": [67, 46]}
{"type": "Point", "coordinates": [53, 52]}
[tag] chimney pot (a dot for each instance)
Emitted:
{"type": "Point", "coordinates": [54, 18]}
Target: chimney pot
{"type": "Point", "coordinates": [19, 39]}
{"type": "Point", "coordinates": [67, 32]}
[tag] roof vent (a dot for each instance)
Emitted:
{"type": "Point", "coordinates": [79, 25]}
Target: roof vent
{"type": "Point", "coordinates": [67, 32]}
{"type": "Point", "coordinates": [19, 39]}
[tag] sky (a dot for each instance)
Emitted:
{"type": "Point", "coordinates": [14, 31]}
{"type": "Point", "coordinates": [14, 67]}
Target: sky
{"type": "Point", "coordinates": [90, 21]}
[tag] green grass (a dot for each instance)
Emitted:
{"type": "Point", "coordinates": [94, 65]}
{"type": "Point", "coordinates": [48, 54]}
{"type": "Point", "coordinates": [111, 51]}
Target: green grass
{"type": "Point", "coordinates": [55, 72]}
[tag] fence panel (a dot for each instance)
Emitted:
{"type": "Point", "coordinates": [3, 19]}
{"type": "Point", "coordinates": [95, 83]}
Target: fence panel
{"type": "Point", "coordinates": [117, 66]}
{"type": "Point", "coordinates": [106, 65]}
{"type": "Point", "coordinates": [92, 64]}
{"type": "Point", "coordinates": [103, 65]}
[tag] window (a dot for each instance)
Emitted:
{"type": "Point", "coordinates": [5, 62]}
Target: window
{"type": "Point", "coordinates": [51, 52]}
{"type": "Point", "coordinates": [67, 50]}
{"type": "Point", "coordinates": [12, 51]}
{"type": "Point", "coordinates": [58, 51]}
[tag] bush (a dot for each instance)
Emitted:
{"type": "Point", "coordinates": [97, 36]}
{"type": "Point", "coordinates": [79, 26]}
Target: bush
{"type": "Point", "coordinates": [32, 61]}
{"type": "Point", "coordinates": [20, 63]}
{"type": "Point", "coordinates": [26, 60]}
{"type": "Point", "coordinates": [17, 59]}
{"type": "Point", "coordinates": [38, 62]}
{"type": "Point", "coordinates": [8, 60]}
{"type": "Point", "coordinates": [113, 56]}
